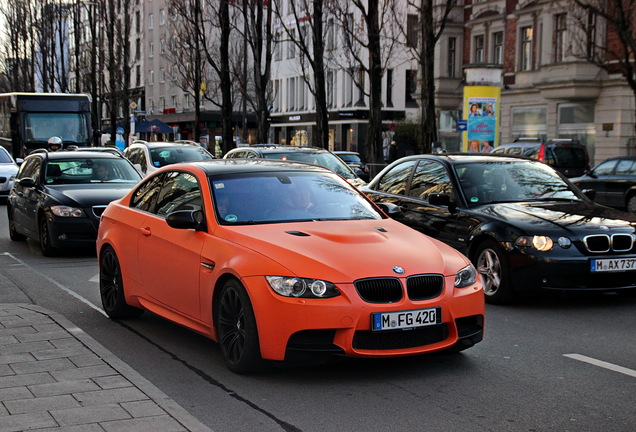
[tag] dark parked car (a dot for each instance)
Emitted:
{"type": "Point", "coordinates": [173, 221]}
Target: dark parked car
{"type": "Point", "coordinates": [313, 155]}
{"type": "Point", "coordinates": [58, 197]}
{"type": "Point", "coordinates": [518, 220]}
{"type": "Point", "coordinates": [354, 160]}
{"type": "Point", "coordinates": [614, 181]}
{"type": "Point", "coordinates": [566, 155]}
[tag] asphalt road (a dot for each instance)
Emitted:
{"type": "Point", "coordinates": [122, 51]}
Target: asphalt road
{"type": "Point", "coordinates": [553, 363]}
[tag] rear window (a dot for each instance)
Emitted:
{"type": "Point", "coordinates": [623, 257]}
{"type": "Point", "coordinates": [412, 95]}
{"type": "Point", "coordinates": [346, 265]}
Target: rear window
{"type": "Point", "coordinates": [566, 156]}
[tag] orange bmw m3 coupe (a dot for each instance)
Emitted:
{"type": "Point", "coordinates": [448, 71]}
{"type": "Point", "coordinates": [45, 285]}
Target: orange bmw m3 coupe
{"type": "Point", "coordinates": [275, 260]}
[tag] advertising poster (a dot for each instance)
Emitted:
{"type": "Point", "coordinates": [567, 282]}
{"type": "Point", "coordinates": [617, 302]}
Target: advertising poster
{"type": "Point", "coordinates": [481, 111]}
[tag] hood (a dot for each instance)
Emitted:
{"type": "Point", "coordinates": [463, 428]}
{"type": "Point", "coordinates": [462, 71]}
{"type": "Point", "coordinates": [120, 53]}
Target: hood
{"type": "Point", "coordinates": [342, 251]}
{"type": "Point", "coordinates": [555, 216]}
{"type": "Point", "coordinates": [89, 195]}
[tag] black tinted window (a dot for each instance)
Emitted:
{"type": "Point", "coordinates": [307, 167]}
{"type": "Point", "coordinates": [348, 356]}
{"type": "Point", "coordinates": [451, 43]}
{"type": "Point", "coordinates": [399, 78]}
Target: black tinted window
{"type": "Point", "coordinates": [605, 168]}
{"type": "Point", "coordinates": [180, 191]}
{"type": "Point", "coordinates": [145, 197]}
{"type": "Point", "coordinates": [430, 177]}
{"type": "Point", "coordinates": [395, 180]}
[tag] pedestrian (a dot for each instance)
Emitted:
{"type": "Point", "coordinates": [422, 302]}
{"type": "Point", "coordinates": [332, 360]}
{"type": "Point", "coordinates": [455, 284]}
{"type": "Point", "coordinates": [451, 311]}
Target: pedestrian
{"type": "Point", "coordinates": [393, 152]}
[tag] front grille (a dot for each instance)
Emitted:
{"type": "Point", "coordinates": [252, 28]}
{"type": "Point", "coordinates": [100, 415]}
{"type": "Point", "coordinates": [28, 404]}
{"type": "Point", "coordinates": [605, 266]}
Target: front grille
{"type": "Point", "coordinates": [98, 210]}
{"type": "Point", "coordinates": [424, 287]}
{"type": "Point", "coordinates": [602, 243]}
{"type": "Point", "coordinates": [379, 290]}
{"type": "Point", "coordinates": [400, 339]}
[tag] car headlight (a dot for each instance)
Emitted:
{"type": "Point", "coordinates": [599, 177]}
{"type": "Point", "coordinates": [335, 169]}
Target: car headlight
{"type": "Point", "coordinates": [540, 243]}
{"type": "Point", "coordinates": [466, 277]}
{"type": "Point", "coordinates": [65, 211]}
{"type": "Point", "coordinates": [301, 287]}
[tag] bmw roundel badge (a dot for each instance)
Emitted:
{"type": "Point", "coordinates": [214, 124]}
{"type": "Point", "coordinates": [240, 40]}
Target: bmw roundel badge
{"type": "Point", "coordinates": [398, 270]}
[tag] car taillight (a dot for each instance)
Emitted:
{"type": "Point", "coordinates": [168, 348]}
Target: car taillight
{"type": "Point", "coordinates": [541, 156]}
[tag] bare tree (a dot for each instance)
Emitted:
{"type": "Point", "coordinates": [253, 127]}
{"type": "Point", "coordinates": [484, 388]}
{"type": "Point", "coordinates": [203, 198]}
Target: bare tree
{"type": "Point", "coordinates": [256, 30]}
{"type": "Point", "coordinates": [615, 50]}
{"type": "Point", "coordinates": [370, 43]}
{"type": "Point", "coordinates": [18, 51]}
{"type": "Point", "coordinates": [310, 14]}
{"type": "Point", "coordinates": [184, 52]}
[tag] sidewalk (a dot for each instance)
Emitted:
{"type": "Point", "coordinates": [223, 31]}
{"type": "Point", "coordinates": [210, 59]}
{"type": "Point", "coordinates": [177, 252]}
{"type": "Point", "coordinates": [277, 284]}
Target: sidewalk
{"type": "Point", "coordinates": [54, 377]}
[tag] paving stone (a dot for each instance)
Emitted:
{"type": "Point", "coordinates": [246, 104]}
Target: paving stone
{"type": "Point", "coordinates": [41, 404]}
{"type": "Point", "coordinates": [145, 408]}
{"type": "Point", "coordinates": [84, 372]}
{"type": "Point", "coordinates": [65, 387]}
{"type": "Point", "coordinates": [148, 424]}
{"type": "Point", "coordinates": [91, 414]}
{"type": "Point", "coordinates": [11, 393]}
{"type": "Point", "coordinates": [25, 347]}
{"type": "Point", "coordinates": [25, 380]}
{"type": "Point", "coordinates": [127, 394]}
{"type": "Point", "coordinates": [43, 366]}
{"type": "Point", "coordinates": [87, 359]}
{"type": "Point", "coordinates": [22, 422]}
{"type": "Point", "coordinates": [43, 336]}
{"type": "Point", "coordinates": [60, 353]}
{"type": "Point", "coordinates": [16, 358]}
{"type": "Point", "coordinates": [112, 382]}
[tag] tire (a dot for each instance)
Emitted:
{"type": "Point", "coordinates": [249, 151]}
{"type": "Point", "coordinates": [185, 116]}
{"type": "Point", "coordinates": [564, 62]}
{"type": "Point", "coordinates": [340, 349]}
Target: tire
{"type": "Point", "coordinates": [45, 238]}
{"type": "Point", "coordinates": [111, 288]}
{"type": "Point", "coordinates": [631, 204]}
{"type": "Point", "coordinates": [236, 329]}
{"type": "Point", "coordinates": [13, 234]}
{"type": "Point", "coordinates": [490, 261]}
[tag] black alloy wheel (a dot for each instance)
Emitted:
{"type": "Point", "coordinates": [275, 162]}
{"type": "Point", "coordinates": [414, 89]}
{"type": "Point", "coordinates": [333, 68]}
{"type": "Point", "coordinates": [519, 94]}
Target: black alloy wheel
{"type": "Point", "coordinates": [490, 261]}
{"type": "Point", "coordinates": [13, 234]}
{"type": "Point", "coordinates": [111, 288]}
{"type": "Point", "coordinates": [631, 204]}
{"type": "Point", "coordinates": [236, 329]}
{"type": "Point", "coordinates": [45, 238]}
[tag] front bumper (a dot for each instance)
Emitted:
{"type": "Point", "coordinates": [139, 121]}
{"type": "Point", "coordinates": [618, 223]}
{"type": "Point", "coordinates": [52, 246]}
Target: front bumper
{"type": "Point", "coordinates": [67, 232]}
{"type": "Point", "coordinates": [342, 325]}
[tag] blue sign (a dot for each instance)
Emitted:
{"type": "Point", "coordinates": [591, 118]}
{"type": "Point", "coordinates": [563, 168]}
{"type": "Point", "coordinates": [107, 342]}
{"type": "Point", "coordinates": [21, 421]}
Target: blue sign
{"type": "Point", "coordinates": [462, 125]}
{"type": "Point", "coordinates": [120, 131]}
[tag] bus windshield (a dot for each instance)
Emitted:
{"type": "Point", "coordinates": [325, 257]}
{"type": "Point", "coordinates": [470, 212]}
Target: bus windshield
{"type": "Point", "coordinates": [71, 127]}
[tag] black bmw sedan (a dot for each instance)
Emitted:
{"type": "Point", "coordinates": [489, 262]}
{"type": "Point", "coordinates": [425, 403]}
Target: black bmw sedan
{"type": "Point", "coordinates": [524, 226]}
{"type": "Point", "coordinates": [58, 197]}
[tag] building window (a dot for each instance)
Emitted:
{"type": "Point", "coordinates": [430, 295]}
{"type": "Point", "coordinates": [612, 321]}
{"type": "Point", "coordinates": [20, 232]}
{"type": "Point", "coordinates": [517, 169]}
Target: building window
{"type": "Point", "coordinates": [330, 35]}
{"type": "Point", "coordinates": [529, 121]}
{"type": "Point", "coordinates": [277, 96]}
{"type": "Point", "coordinates": [560, 26]}
{"type": "Point", "coordinates": [151, 22]}
{"type": "Point", "coordinates": [451, 65]}
{"type": "Point", "coordinates": [162, 17]}
{"type": "Point", "coordinates": [291, 46]}
{"type": "Point", "coordinates": [330, 75]}
{"type": "Point", "coordinates": [389, 87]}
{"type": "Point", "coordinates": [410, 88]}
{"type": "Point", "coordinates": [151, 49]}
{"type": "Point", "coordinates": [591, 35]}
{"type": "Point", "coordinates": [151, 77]}
{"type": "Point", "coordinates": [478, 52]}
{"type": "Point", "coordinates": [348, 30]}
{"type": "Point", "coordinates": [151, 102]}
{"type": "Point", "coordinates": [162, 75]}
{"type": "Point", "coordinates": [278, 46]}
{"type": "Point", "coordinates": [361, 76]}
{"type": "Point", "coordinates": [411, 31]}
{"type": "Point", "coordinates": [348, 88]}
{"type": "Point", "coordinates": [497, 47]}
{"type": "Point", "coordinates": [174, 102]}
{"type": "Point", "coordinates": [137, 76]}
{"type": "Point", "coordinates": [137, 49]}
{"type": "Point", "coordinates": [291, 93]}
{"type": "Point", "coordinates": [526, 48]}
{"type": "Point", "coordinates": [162, 104]}
{"type": "Point", "coordinates": [186, 101]}
{"type": "Point", "coordinates": [162, 46]}
{"type": "Point", "coordinates": [137, 22]}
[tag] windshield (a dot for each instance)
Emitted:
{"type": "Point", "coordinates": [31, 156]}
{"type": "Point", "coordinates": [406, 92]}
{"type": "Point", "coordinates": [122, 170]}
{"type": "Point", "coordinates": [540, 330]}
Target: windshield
{"type": "Point", "coordinates": [488, 182]}
{"type": "Point", "coordinates": [285, 197]}
{"type": "Point", "coordinates": [4, 157]}
{"type": "Point", "coordinates": [89, 170]}
{"type": "Point", "coordinates": [71, 127]}
{"type": "Point", "coordinates": [325, 159]}
{"type": "Point", "coordinates": [183, 153]}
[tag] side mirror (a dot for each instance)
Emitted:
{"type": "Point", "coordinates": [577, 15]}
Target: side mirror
{"type": "Point", "coordinates": [186, 219]}
{"type": "Point", "coordinates": [389, 208]}
{"type": "Point", "coordinates": [27, 182]}
{"type": "Point", "coordinates": [590, 193]}
{"type": "Point", "coordinates": [442, 199]}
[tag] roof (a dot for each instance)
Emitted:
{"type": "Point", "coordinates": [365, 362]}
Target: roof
{"type": "Point", "coordinates": [73, 154]}
{"type": "Point", "coordinates": [230, 166]}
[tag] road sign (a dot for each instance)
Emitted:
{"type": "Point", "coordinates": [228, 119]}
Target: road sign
{"type": "Point", "coordinates": [462, 125]}
{"type": "Point", "coordinates": [133, 105]}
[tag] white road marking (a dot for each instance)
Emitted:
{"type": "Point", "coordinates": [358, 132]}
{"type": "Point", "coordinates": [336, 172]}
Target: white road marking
{"type": "Point", "coordinates": [602, 364]}
{"type": "Point", "coordinates": [94, 278]}
{"type": "Point", "coordinates": [57, 284]}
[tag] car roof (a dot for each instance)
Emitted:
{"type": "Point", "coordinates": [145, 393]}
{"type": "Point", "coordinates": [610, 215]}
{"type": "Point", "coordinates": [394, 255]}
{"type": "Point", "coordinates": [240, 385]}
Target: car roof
{"type": "Point", "coordinates": [468, 157]}
{"type": "Point", "coordinates": [273, 148]}
{"type": "Point", "coordinates": [74, 154]}
{"type": "Point", "coordinates": [231, 166]}
{"type": "Point", "coordinates": [341, 152]}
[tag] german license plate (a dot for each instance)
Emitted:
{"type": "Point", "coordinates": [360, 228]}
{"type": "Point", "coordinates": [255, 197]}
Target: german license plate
{"type": "Point", "coordinates": [612, 265]}
{"type": "Point", "coordinates": [406, 319]}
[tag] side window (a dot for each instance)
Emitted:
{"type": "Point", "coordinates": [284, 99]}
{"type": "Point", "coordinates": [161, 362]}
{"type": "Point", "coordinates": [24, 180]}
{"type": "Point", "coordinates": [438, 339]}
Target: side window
{"type": "Point", "coordinates": [430, 177]}
{"type": "Point", "coordinates": [625, 167]}
{"type": "Point", "coordinates": [606, 168]}
{"type": "Point", "coordinates": [180, 191]}
{"type": "Point", "coordinates": [394, 181]}
{"type": "Point", "coordinates": [250, 155]}
{"type": "Point", "coordinates": [145, 196]}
